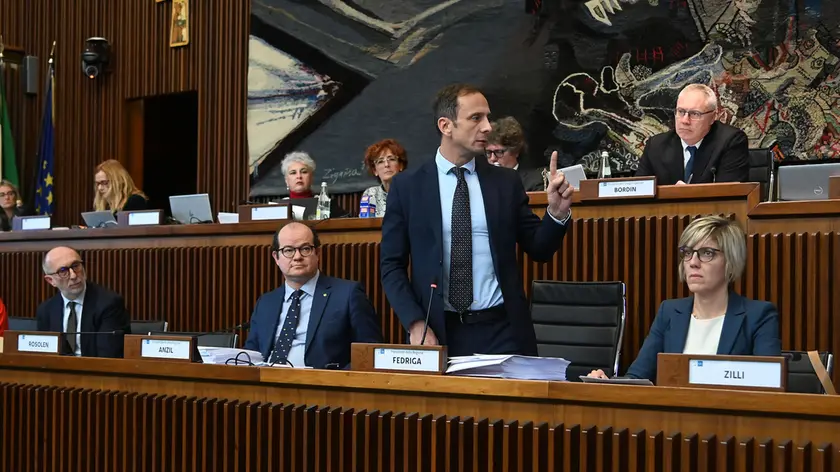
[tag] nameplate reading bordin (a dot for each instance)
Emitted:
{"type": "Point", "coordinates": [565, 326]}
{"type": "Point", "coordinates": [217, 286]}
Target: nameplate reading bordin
{"type": "Point", "coordinates": [38, 343]}
{"type": "Point", "coordinates": [732, 373]}
{"type": "Point", "coordinates": [165, 349]}
{"type": "Point", "coordinates": [398, 358]}
{"type": "Point", "coordinates": [627, 188]}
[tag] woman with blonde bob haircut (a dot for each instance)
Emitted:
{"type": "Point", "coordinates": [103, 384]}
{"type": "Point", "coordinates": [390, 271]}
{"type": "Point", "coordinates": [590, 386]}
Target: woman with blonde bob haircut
{"type": "Point", "coordinates": [714, 319]}
{"type": "Point", "coordinates": [114, 189]}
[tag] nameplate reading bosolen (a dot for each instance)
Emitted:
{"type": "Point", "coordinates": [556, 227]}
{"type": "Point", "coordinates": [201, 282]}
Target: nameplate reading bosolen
{"type": "Point", "coordinates": [165, 349]}
{"type": "Point", "coordinates": [411, 360]}
{"type": "Point", "coordinates": [735, 373]}
{"type": "Point", "coordinates": [41, 343]}
{"type": "Point", "coordinates": [627, 188]}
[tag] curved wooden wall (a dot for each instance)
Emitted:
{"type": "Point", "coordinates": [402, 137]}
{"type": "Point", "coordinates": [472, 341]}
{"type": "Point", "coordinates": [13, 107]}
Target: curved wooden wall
{"type": "Point", "coordinates": [92, 116]}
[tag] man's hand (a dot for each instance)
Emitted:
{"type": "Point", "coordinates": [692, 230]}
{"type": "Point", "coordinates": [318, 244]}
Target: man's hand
{"type": "Point", "coordinates": [680, 182]}
{"type": "Point", "coordinates": [559, 191]}
{"type": "Point", "coordinates": [598, 374]}
{"type": "Point", "coordinates": [415, 333]}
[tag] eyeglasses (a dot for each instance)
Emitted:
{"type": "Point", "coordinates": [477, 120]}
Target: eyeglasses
{"type": "Point", "coordinates": [289, 251]}
{"type": "Point", "coordinates": [692, 114]}
{"type": "Point", "coordinates": [103, 183]}
{"type": "Point", "coordinates": [10, 194]}
{"type": "Point", "coordinates": [64, 272]}
{"type": "Point", "coordinates": [705, 254]}
{"type": "Point", "coordinates": [497, 152]}
{"type": "Point", "coordinates": [388, 159]}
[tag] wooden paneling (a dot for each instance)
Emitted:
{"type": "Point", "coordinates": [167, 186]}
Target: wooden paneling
{"type": "Point", "coordinates": [92, 116]}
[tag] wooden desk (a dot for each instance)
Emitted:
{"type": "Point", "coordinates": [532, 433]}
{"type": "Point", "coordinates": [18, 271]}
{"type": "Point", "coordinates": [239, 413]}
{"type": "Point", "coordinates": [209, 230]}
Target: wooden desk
{"type": "Point", "coordinates": [169, 416]}
{"type": "Point", "coordinates": [817, 216]}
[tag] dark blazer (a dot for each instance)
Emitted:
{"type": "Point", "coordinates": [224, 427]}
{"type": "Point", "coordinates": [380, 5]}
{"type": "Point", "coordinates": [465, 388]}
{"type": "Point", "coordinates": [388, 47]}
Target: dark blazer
{"type": "Point", "coordinates": [341, 314]}
{"type": "Point", "coordinates": [135, 203]}
{"type": "Point", "coordinates": [532, 179]}
{"type": "Point", "coordinates": [750, 328]}
{"type": "Point", "coordinates": [724, 148]}
{"type": "Point", "coordinates": [103, 310]}
{"type": "Point", "coordinates": [411, 232]}
{"type": "Point", "coordinates": [6, 222]}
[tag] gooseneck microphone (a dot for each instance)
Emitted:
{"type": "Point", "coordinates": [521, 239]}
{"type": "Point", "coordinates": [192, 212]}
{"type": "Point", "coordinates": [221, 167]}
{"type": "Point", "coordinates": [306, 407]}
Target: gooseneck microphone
{"type": "Point", "coordinates": [714, 175]}
{"type": "Point", "coordinates": [429, 310]}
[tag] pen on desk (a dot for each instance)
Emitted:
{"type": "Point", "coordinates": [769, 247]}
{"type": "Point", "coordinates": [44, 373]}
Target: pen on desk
{"type": "Point", "coordinates": [689, 178]}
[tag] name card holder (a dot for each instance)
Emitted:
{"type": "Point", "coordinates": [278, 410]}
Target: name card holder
{"type": "Point", "coordinates": [140, 218]}
{"type": "Point", "coordinates": [27, 223]}
{"type": "Point", "coordinates": [398, 358]}
{"type": "Point", "coordinates": [619, 188]}
{"type": "Point", "coordinates": [834, 187]}
{"type": "Point", "coordinates": [31, 342]}
{"type": "Point", "coordinates": [264, 212]}
{"type": "Point", "coordinates": [162, 348]}
{"type": "Point", "coordinates": [757, 373]}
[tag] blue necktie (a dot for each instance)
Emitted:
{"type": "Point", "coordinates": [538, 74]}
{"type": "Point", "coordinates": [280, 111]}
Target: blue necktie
{"type": "Point", "coordinates": [689, 166]}
{"type": "Point", "coordinates": [283, 344]}
{"type": "Point", "coordinates": [460, 257]}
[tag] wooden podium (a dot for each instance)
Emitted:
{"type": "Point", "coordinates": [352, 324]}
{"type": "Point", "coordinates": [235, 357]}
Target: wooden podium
{"type": "Point", "coordinates": [757, 373]}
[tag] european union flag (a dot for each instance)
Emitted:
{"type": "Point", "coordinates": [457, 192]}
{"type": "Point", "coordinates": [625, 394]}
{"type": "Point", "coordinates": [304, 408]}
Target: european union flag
{"type": "Point", "coordinates": [44, 200]}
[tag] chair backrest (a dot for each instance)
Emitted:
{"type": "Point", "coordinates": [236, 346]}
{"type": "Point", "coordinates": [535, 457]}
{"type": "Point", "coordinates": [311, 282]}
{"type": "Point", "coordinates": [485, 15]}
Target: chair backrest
{"type": "Point", "coordinates": [146, 327]}
{"type": "Point", "coordinates": [210, 340]}
{"type": "Point", "coordinates": [22, 324]}
{"type": "Point", "coordinates": [761, 169]}
{"type": "Point", "coordinates": [801, 376]}
{"type": "Point", "coordinates": [582, 322]}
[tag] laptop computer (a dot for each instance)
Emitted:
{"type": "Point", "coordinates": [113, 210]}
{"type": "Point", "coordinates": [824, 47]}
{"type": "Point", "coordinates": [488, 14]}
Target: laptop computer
{"type": "Point", "coordinates": [99, 219]}
{"type": "Point", "coordinates": [191, 209]}
{"type": "Point", "coordinates": [807, 181]}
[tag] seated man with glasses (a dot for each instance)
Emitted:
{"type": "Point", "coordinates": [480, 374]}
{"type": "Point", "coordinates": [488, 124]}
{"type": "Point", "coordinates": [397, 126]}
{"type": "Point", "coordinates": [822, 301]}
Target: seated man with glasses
{"type": "Point", "coordinates": [95, 315]}
{"type": "Point", "coordinates": [714, 319]}
{"type": "Point", "coordinates": [312, 318]}
{"type": "Point", "coordinates": [506, 145]}
{"type": "Point", "coordinates": [700, 150]}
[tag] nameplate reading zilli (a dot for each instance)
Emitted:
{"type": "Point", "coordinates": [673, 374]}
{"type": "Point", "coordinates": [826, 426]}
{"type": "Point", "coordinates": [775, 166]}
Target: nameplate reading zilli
{"type": "Point", "coordinates": [409, 360]}
{"type": "Point", "coordinates": [627, 188]}
{"type": "Point", "coordinates": [728, 373]}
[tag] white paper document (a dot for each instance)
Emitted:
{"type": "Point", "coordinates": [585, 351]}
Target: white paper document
{"type": "Point", "coordinates": [507, 366]}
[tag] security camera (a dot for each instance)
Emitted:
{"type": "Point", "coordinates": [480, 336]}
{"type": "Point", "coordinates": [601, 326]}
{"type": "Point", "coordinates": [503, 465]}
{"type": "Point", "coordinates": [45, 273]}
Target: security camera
{"type": "Point", "coordinates": [95, 57]}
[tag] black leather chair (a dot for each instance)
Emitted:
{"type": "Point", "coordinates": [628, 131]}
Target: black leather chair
{"type": "Point", "coordinates": [22, 324]}
{"type": "Point", "coordinates": [582, 322]}
{"type": "Point", "coordinates": [146, 327]}
{"type": "Point", "coordinates": [210, 340]}
{"type": "Point", "coordinates": [762, 168]}
{"type": "Point", "coordinates": [801, 377]}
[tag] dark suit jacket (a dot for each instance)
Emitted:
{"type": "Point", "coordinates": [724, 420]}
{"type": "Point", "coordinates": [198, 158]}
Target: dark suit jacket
{"type": "Point", "coordinates": [135, 203]}
{"type": "Point", "coordinates": [343, 316]}
{"type": "Point", "coordinates": [6, 222]}
{"type": "Point", "coordinates": [532, 179]}
{"type": "Point", "coordinates": [750, 328]}
{"type": "Point", "coordinates": [103, 310]}
{"type": "Point", "coordinates": [412, 230]}
{"type": "Point", "coordinates": [724, 148]}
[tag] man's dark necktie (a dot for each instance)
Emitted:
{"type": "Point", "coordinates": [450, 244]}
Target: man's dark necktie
{"type": "Point", "coordinates": [283, 344]}
{"type": "Point", "coordinates": [71, 327]}
{"type": "Point", "coordinates": [689, 166]}
{"type": "Point", "coordinates": [460, 261]}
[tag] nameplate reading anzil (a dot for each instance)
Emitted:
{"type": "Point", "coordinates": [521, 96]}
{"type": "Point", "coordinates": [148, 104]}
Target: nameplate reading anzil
{"type": "Point", "coordinates": [165, 349]}
{"type": "Point", "coordinates": [410, 360]}
{"type": "Point", "coordinates": [627, 188]}
{"type": "Point", "coordinates": [735, 373]}
{"type": "Point", "coordinates": [40, 343]}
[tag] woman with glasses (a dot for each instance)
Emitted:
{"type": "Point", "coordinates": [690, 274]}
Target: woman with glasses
{"type": "Point", "coordinates": [505, 145]}
{"type": "Point", "coordinates": [714, 319]}
{"type": "Point", "coordinates": [10, 205]}
{"type": "Point", "coordinates": [384, 160]}
{"type": "Point", "coordinates": [114, 189]}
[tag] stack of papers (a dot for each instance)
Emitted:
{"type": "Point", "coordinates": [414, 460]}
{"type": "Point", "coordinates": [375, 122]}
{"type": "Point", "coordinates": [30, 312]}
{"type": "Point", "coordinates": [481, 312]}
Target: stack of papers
{"type": "Point", "coordinates": [507, 366]}
{"type": "Point", "coordinates": [220, 355]}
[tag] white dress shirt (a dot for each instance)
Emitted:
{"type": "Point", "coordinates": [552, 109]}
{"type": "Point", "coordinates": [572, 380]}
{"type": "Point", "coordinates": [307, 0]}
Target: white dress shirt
{"type": "Point", "coordinates": [703, 336]}
{"type": "Point", "coordinates": [78, 328]}
{"type": "Point", "coordinates": [298, 349]}
{"type": "Point", "coordinates": [686, 154]}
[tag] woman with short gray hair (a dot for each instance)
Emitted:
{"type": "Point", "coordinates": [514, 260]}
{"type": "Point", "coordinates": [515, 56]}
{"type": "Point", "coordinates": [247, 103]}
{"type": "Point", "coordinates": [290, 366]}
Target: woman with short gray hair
{"type": "Point", "coordinates": [299, 169]}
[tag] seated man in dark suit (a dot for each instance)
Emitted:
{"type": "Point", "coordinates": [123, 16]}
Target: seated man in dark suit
{"type": "Point", "coordinates": [312, 318]}
{"type": "Point", "coordinates": [505, 145]}
{"type": "Point", "coordinates": [700, 150]}
{"type": "Point", "coordinates": [81, 307]}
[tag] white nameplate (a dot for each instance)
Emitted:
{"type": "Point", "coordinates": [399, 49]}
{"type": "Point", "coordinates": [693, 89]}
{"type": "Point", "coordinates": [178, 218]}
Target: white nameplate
{"type": "Point", "coordinates": [42, 343]}
{"type": "Point", "coordinates": [143, 218]}
{"type": "Point", "coordinates": [735, 373]}
{"type": "Point", "coordinates": [274, 212]}
{"type": "Point", "coordinates": [34, 222]}
{"type": "Point", "coordinates": [417, 360]}
{"type": "Point", "coordinates": [165, 349]}
{"type": "Point", "coordinates": [627, 188]}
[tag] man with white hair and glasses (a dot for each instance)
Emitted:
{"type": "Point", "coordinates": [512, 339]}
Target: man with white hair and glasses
{"type": "Point", "coordinates": [700, 149]}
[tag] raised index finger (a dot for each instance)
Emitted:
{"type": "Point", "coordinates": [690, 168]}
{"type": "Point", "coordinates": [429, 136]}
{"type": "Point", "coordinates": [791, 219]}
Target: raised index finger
{"type": "Point", "coordinates": [552, 167]}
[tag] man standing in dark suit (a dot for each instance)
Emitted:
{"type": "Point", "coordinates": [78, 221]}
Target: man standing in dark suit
{"type": "Point", "coordinates": [457, 219]}
{"type": "Point", "coordinates": [81, 307]}
{"type": "Point", "coordinates": [700, 150]}
{"type": "Point", "coordinates": [312, 319]}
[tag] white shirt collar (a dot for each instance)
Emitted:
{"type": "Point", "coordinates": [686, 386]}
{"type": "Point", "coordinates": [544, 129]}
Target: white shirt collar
{"type": "Point", "coordinates": [444, 166]}
{"type": "Point", "coordinates": [516, 167]}
{"type": "Point", "coordinates": [685, 145]}
{"type": "Point", "coordinates": [79, 301]}
{"type": "Point", "coordinates": [307, 288]}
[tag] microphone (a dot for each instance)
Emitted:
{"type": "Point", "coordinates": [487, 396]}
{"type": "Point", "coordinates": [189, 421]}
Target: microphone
{"type": "Point", "coordinates": [429, 309]}
{"type": "Point", "coordinates": [689, 178]}
{"type": "Point", "coordinates": [714, 175]}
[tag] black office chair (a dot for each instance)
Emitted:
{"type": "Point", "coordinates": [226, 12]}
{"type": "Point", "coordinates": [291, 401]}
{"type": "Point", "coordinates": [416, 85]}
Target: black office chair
{"type": "Point", "coordinates": [801, 377]}
{"type": "Point", "coordinates": [209, 340]}
{"type": "Point", "coordinates": [22, 324]}
{"type": "Point", "coordinates": [582, 322]}
{"type": "Point", "coordinates": [146, 327]}
{"type": "Point", "coordinates": [762, 168]}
